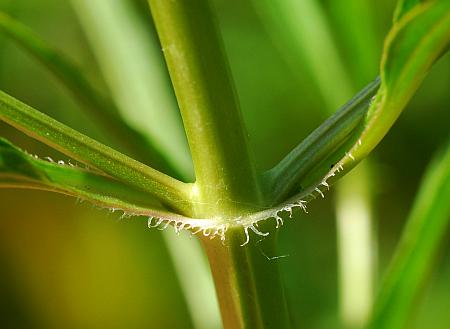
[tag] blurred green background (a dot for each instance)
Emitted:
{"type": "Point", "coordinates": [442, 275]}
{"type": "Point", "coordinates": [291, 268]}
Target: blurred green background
{"type": "Point", "coordinates": [65, 264]}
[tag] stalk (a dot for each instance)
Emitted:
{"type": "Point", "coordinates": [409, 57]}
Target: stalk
{"type": "Point", "coordinates": [248, 284]}
{"type": "Point", "coordinates": [226, 181]}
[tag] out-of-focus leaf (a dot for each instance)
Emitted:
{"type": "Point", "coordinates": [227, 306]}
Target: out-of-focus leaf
{"type": "Point", "coordinates": [86, 150]}
{"type": "Point", "coordinates": [300, 29]}
{"type": "Point", "coordinates": [417, 249]}
{"type": "Point", "coordinates": [357, 28]}
{"type": "Point", "coordinates": [404, 6]}
{"type": "Point", "coordinates": [133, 66]}
{"type": "Point", "coordinates": [413, 45]}
{"type": "Point", "coordinates": [131, 60]}
{"type": "Point", "coordinates": [101, 108]}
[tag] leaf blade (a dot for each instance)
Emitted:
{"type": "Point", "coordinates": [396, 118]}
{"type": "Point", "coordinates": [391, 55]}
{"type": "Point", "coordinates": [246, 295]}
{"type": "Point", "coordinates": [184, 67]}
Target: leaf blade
{"type": "Point", "coordinates": [400, 78]}
{"type": "Point", "coordinates": [19, 169]}
{"type": "Point", "coordinates": [101, 108]}
{"type": "Point", "coordinates": [131, 61]}
{"type": "Point", "coordinates": [86, 150]}
{"type": "Point", "coordinates": [417, 248]}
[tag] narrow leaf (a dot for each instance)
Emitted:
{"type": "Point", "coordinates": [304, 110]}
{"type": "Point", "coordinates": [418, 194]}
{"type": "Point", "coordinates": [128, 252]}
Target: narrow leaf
{"type": "Point", "coordinates": [300, 30]}
{"type": "Point", "coordinates": [132, 63]}
{"type": "Point", "coordinates": [22, 170]}
{"type": "Point", "coordinates": [417, 249]}
{"type": "Point", "coordinates": [288, 176]}
{"type": "Point", "coordinates": [413, 45]}
{"type": "Point", "coordinates": [403, 6]}
{"type": "Point", "coordinates": [102, 109]}
{"type": "Point", "coordinates": [168, 190]}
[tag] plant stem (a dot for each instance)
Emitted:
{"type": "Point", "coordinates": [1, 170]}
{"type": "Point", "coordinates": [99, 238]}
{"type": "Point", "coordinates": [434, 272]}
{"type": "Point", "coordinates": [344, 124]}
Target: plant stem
{"type": "Point", "coordinates": [133, 67]}
{"type": "Point", "coordinates": [226, 181]}
{"type": "Point", "coordinates": [248, 282]}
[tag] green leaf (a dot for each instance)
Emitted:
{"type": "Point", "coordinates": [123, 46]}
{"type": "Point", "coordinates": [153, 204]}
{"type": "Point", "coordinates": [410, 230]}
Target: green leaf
{"type": "Point", "coordinates": [132, 63]}
{"type": "Point", "coordinates": [290, 174]}
{"type": "Point", "coordinates": [304, 31]}
{"type": "Point", "coordinates": [413, 45]}
{"type": "Point", "coordinates": [102, 109]}
{"type": "Point", "coordinates": [19, 169]}
{"type": "Point", "coordinates": [169, 191]}
{"type": "Point", "coordinates": [403, 6]}
{"type": "Point", "coordinates": [415, 255]}
{"type": "Point", "coordinates": [11, 161]}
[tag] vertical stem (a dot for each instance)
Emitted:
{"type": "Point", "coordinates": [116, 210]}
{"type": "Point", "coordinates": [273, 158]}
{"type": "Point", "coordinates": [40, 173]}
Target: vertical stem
{"type": "Point", "coordinates": [248, 282]}
{"type": "Point", "coordinates": [226, 179]}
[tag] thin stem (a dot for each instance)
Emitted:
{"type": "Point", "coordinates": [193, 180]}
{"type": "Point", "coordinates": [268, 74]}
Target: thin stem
{"type": "Point", "coordinates": [168, 190]}
{"type": "Point", "coordinates": [226, 179]}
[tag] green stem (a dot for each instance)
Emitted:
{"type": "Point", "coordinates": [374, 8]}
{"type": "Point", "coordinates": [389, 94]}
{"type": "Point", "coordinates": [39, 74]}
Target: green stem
{"type": "Point", "coordinates": [248, 282]}
{"type": "Point", "coordinates": [226, 179]}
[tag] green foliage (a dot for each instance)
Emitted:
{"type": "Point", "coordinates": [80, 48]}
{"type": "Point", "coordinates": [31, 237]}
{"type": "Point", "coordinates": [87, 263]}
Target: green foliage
{"type": "Point", "coordinates": [231, 195]}
{"type": "Point", "coordinates": [417, 249]}
{"type": "Point", "coordinates": [22, 170]}
{"type": "Point", "coordinates": [97, 105]}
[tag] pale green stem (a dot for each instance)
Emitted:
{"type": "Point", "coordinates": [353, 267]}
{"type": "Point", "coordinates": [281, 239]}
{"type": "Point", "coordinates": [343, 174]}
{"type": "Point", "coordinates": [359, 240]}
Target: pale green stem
{"type": "Point", "coordinates": [248, 284]}
{"type": "Point", "coordinates": [226, 181]}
